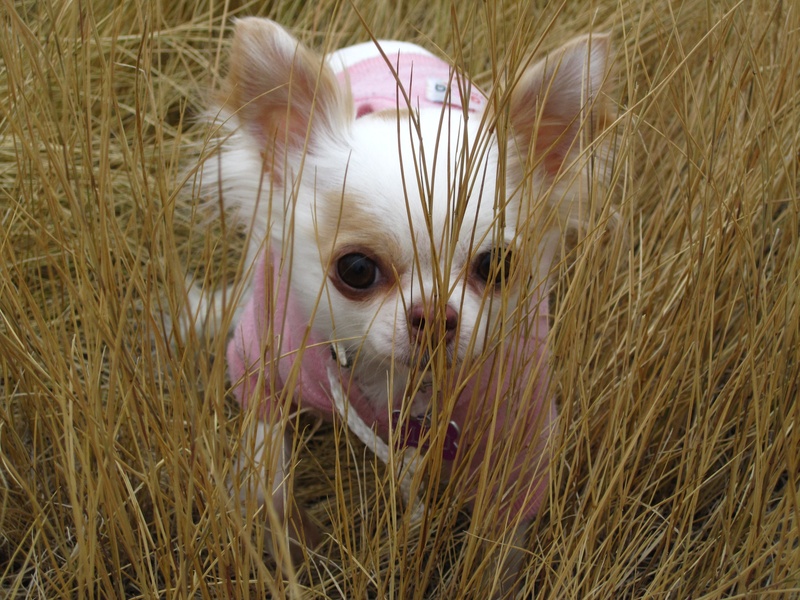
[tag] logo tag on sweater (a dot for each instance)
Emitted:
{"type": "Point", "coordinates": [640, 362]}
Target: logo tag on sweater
{"type": "Point", "coordinates": [441, 92]}
{"type": "Point", "coordinates": [437, 91]}
{"type": "Point", "coordinates": [414, 429]}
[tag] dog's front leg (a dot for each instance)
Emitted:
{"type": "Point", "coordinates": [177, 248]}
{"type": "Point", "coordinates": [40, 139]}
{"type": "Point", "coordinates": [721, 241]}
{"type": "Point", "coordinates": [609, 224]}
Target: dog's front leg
{"type": "Point", "coordinates": [263, 471]}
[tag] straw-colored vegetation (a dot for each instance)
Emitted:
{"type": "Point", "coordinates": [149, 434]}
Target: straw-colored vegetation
{"type": "Point", "coordinates": [674, 355]}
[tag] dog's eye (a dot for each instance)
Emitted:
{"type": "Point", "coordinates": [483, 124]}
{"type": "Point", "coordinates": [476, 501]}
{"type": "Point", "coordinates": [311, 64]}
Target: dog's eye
{"type": "Point", "coordinates": [357, 271]}
{"type": "Point", "coordinates": [493, 267]}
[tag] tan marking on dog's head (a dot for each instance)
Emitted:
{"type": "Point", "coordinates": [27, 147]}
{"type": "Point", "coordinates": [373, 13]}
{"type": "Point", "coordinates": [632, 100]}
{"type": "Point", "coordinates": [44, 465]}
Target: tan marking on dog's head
{"type": "Point", "coordinates": [391, 114]}
{"type": "Point", "coordinates": [344, 221]}
{"type": "Point", "coordinates": [283, 94]}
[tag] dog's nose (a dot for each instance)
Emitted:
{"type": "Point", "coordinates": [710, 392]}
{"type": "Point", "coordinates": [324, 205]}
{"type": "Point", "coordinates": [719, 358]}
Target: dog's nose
{"type": "Point", "coordinates": [421, 317]}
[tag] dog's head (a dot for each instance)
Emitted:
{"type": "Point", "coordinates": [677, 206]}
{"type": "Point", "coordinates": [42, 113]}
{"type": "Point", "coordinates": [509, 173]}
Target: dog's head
{"type": "Point", "coordinates": [411, 234]}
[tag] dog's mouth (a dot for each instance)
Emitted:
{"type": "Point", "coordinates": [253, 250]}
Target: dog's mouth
{"type": "Point", "coordinates": [414, 363]}
{"type": "Point", "coordinates": [423, 382]}
{"type": "Point", "coordinates": [424, 361]}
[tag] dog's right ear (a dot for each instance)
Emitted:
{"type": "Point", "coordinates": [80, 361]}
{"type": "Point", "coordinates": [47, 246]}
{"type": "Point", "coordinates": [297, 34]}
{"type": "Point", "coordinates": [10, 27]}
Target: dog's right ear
{"type": "Point", "coordinates": [558, 99]}
{"type": "Point", "coordinates": [283, 94]}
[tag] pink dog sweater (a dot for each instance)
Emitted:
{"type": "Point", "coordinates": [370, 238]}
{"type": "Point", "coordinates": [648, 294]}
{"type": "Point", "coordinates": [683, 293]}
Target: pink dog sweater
{"type": "Point", "coordinates": [273, 334]}
{"type": "Point", "coordinates": [428, 81]}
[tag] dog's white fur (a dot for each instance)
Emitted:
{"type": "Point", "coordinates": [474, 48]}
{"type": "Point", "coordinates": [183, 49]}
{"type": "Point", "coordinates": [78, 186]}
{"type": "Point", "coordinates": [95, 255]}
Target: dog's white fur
{"type": "Point", "coordinates": [298, 170]}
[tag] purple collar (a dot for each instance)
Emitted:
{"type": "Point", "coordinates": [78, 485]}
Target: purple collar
{"type": "Point", "coordinates": [414, 428]}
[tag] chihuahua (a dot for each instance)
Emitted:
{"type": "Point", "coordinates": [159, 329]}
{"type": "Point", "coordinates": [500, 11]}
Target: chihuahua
{"type": "Point", "coordinates": [402, 228]}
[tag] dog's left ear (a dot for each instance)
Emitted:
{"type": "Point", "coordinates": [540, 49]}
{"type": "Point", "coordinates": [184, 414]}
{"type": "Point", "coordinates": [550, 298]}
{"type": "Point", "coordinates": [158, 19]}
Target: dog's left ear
{"type": "Point", "coordinates": [558, 99]}
{"type": "Point", "coordinates": [283, 94]}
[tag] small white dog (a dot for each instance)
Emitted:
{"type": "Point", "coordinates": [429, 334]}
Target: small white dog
{"type": "Point", "coordinates": [403, 225]}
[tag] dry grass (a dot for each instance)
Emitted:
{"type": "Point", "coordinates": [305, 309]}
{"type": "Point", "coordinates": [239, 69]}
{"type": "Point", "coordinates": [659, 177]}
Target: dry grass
{"type": "Point", "coordinates": [675, 352]}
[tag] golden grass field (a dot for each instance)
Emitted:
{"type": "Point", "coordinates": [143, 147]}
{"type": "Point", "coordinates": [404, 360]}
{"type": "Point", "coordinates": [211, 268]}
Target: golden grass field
{"type": "Point", "coordinates": [674, 353]}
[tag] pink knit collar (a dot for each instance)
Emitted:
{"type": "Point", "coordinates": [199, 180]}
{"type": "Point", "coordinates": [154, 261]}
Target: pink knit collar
{"type": "Point", "coordinates": [428, 82]}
